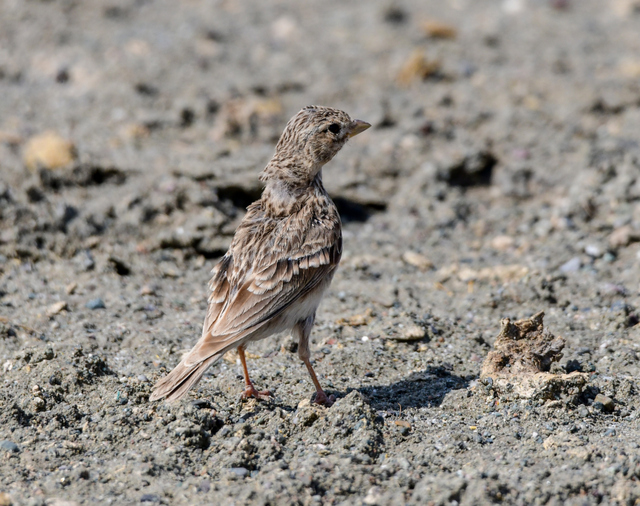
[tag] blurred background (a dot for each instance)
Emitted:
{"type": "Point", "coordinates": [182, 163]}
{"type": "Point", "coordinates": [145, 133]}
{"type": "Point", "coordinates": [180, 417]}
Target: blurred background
{"type": "Point", "coordinates": [117, 117]}
{"type": "Point", "coordinates": [501, 177]}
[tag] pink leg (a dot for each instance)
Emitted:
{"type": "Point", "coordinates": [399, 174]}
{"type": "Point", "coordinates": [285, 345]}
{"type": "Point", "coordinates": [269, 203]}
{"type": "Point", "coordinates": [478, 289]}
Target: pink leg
{"type": "Point", "coordinates": [250, 390]}
{"type": "Point", "coordinates": [303, 329]}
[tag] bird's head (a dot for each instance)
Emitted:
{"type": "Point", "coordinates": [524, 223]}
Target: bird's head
{"type": "Point", "coordinates": [313, 137]}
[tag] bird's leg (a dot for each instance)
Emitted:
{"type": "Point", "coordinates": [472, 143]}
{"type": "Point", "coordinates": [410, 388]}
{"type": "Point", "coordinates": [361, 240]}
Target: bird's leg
{"type": "Point", "coordinates": [303, 329]}
{"type": "Point", "coordinates": [250, 390]}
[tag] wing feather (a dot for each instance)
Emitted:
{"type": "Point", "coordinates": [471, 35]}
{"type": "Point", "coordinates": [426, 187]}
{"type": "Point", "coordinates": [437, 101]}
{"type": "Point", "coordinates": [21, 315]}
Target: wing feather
{"type": "Point", "coordinates": [262, 275]}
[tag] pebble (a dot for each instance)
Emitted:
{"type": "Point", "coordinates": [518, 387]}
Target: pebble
{"type": "Point", "coordinates": [417, 260]}
{"type": "Point", "coordinates": [502, 242]}
{"type": "Point", "coordinates": [412, 333]}
{"type": "Point", "coordinates": [48, 150]}
{"type": "Point", "coordinates": [55, 308]}
{"type": "Point", "coordinates": [417, 67]}
{"type": "Point", "coordinates": [610, 432]}
{"type": "Point", "coordinates": [593, 251]}
{"type": "Point", "coordinates": [572, 265]}
{"type": "Point", "coordinates": [38, 404]}
{"type": "Point", "coordinates": [149, 498]}
{"type": "Point", "coordinates": [439, 30]}
{"type": "Point", "coordinates": [95, 304]}
{"type": "Point", "coordinates": [9, 446]}
{"type": "Point", "coordinates": [240, 471]}
{"type": "Point", "coordinates": [621, 236]}
{"type": "Point", "coordinates": [5, 499]}
{"type": "Point", "coordinates": [603, 403]}
{"type": "Point", "coordinates": [147, 290]}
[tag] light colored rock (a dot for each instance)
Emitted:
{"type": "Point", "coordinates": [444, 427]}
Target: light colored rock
{"type": "Point", "coordinates": [439, 30]}
{"type": "Point", "coordinates": [417, 260]}
{"type": "Point", "coordinates": [623, 236]}
{"type": "Point", "coordinates": [49, 151]}
{"type": "Point", "coordinates": [56, 308]}
{"type": "Point", "coordinates": [412, 333]}
{"type": "Point", "coordinates": [417, 67]}
{"type": "Point", "coordinates": [502, 242]}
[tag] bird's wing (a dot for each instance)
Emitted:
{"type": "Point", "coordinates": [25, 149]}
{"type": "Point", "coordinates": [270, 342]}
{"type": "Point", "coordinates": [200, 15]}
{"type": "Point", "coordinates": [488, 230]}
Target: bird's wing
{"type": "Point", "coordinates": [262, 275]}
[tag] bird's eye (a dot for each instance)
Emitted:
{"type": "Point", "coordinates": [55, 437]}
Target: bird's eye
{"type": "Point", "coordinates": [334, 128]}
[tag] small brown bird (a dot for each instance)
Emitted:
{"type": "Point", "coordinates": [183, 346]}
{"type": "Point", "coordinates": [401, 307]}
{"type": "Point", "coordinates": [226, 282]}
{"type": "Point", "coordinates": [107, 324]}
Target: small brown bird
{"type": "Point", "coordinates": [282, 257]}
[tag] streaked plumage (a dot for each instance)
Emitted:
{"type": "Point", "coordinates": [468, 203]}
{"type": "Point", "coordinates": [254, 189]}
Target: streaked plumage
{"type": "Point", "coordinates": [282, 257]}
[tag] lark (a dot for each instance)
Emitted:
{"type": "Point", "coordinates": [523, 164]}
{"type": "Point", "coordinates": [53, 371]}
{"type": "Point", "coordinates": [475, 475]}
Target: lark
{"type": "Point", "coordinates": [281, 260]}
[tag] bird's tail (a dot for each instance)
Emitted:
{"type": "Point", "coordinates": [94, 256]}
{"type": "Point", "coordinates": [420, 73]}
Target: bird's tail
{"type": "Point", "coordinates": [183, 378]}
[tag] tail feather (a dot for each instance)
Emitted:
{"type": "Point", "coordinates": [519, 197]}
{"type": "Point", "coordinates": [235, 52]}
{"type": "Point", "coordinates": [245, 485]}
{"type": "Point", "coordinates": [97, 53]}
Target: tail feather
{"type": "Point", "coordinates": [178, 382]}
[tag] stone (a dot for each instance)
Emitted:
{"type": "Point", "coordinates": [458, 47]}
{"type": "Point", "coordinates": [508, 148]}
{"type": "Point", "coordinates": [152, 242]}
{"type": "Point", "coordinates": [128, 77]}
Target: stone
{"type": "Point", "coordinates": [623, 236]}
{"type": "Point", "coordinates": [9, 446]}
{"type": "Point", "coordinates": [412, 333]}
{"type": "Point", "coordinates": [439, 30]}
{"type": "Point", "coordinates": [48, 150]}
{"type": "Point", "coordinates": [593, 250]}
{"type": "Point", "coordinates": [416, 68]}
{"type": "Point", "coordinates": [603, 403]}
{"type": "Point", "coordinates": [56, 308]}
{"type": "Point", "coordinates": [95, 304]}
{"type": "Point", "coordinates": [502, 242]}
{"type": "Point", "coordinates": [417, 260]}
{"type": "Point", "coordinates": [572, 265]}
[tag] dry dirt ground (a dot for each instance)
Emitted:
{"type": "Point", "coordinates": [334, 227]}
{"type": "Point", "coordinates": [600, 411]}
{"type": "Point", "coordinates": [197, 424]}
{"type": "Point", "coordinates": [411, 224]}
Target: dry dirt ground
{"type": "Point", "coordinates": [501, 178]}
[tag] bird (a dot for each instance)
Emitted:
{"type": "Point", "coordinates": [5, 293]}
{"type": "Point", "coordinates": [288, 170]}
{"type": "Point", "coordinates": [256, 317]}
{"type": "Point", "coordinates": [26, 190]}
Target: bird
{"type": "Point", "coordinates": [281, 260]}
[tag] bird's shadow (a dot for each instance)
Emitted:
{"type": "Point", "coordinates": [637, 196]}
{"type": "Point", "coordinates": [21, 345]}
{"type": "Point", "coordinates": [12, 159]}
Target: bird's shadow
{"type": "Point", "coordinates": [426, 388]}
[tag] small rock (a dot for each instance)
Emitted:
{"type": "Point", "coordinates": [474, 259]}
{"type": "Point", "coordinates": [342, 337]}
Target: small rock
{"type": "Point", "coordinates": [147, 290]}
{"type": "Point", "coordinates": [9, 446]}
{"type": "Point", "coordinates": [71, 288]}
{"type": "Point", "coordinates": [38, 404]}
{"type": "Point", "coordinates": [593, 250]}
{"type": "Point", "coordinates": [240, 471]}
{"type": "Point", "coordinates": [357, 320]}
{"type": "Point", "coordinates": [57, 501]}
{"type": "Point", "coordinates": [95, 304]}
{"type": "Point", "coordinates": [502, 242]}
{"type": "Point", "coordinates": [623, 236]}
{"type": "Point", "coordinates": [610, 432]}
{"type": "Point", "coordinates": [55, 308]}
{"type": "Point", "coordinates": [5, 499]}
{"type": "Point", "coordinates": [572, 265]}
{"type": "Point", "coordinates": [417, 67]}
{"type": "Point", "coordinates": [438, 30]}
{"type": "Point", "coordinates": [411, 333]}
{"type": "Point", "coordinates": [417, 260]}
{"type": "Point", "coordinates": [603, 403]}
{"type": "Point", "coordinates": [149, 498]}
{"type": "Point", "coordinates": [373, 497]}
{"type": "Point", "coordinates": [49, 151]}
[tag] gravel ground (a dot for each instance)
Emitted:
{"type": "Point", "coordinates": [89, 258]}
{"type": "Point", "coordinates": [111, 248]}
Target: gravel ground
{"type": "Point", "coordinates": [501, 178]}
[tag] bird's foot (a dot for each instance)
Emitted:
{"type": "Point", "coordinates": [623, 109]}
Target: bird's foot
{"type": "Point", "coordinates": [250, 391]}
{"type": "Point", "coordinates": [324, 399]}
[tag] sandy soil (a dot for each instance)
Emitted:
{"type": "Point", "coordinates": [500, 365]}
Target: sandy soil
{"type": "Point", "coordinates": [501, 178]}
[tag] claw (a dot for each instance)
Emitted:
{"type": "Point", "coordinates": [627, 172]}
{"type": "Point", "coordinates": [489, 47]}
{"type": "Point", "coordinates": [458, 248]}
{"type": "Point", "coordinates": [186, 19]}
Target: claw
{"type": "Point", "coordinates": [324, 399]}
{"type": "Point", "coordinates": [251, 391]}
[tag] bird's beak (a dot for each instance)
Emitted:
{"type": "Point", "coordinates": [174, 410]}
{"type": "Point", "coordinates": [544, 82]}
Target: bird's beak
{"type": "Point", "coordinates": [357, 127]}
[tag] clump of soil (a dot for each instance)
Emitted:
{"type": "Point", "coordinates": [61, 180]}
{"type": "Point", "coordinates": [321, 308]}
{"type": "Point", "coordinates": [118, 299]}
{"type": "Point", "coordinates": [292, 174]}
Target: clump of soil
{"type": "Point", "coordinates": [523, 347]}
{"type": "Point", "coordinates": [521, 360]}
